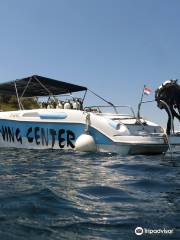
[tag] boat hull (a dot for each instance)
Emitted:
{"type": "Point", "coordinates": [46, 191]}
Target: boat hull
{"type": "Point", "coordinates": [174, 142]}
{"type": "Point", "coordinates": [148, 149]}
{"type": "Point", "coordinates": [54, 129]}
{"type": "Point", "coordinates": [51, 135]}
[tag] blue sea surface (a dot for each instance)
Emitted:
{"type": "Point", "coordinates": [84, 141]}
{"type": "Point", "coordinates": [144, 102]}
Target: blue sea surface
{"type": "Point", "coordinates": [51, 194]}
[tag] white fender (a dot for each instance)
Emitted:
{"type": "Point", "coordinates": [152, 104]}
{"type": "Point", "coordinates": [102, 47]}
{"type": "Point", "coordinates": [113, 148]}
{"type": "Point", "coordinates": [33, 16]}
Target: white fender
{"type": "Point", "coordinates": [85, 143]}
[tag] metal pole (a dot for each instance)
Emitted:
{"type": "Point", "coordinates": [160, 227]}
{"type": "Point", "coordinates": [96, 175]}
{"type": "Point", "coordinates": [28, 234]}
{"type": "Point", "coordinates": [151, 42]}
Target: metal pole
{"type": "Point", "coordinates": [139, 105]}
{"type": "Point", "coordinates": [84, 96]}
{"type": "Point", "coordinates": [17, 96]}
{"type": "Point", "coordinates": [111, 104]}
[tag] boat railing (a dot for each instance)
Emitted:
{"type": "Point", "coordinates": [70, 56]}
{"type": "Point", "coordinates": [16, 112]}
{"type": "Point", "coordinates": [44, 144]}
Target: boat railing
{"type": "Point", "coordinates": [101, 110]}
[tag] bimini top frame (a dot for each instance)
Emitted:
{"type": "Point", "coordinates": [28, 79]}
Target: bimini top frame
{"type": "Point", "coordinates": [38, 86]}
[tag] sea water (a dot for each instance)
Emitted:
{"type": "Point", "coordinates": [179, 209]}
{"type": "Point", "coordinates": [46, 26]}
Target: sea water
{"type": "Point", "coordinates": [50, 194]}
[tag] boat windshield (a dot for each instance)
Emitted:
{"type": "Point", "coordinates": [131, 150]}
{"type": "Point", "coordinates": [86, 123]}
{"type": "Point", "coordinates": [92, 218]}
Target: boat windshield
{"type": "Point", "coordinates": [123, 111]}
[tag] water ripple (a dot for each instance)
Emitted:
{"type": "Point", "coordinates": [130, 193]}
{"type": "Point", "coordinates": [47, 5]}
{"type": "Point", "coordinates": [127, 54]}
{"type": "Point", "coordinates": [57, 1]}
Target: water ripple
{"type": "Point", "coordinates": [68, 195]}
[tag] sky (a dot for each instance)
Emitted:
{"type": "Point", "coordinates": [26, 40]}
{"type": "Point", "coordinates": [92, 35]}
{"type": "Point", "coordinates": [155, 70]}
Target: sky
{"type": "Point", "coordinates": [113, 47]}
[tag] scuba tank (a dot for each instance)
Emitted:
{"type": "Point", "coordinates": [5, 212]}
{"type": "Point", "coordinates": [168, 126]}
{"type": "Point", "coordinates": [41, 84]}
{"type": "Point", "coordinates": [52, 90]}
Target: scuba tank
{"type": "Point", "coordinates": [59, 105]}
{"type": "Point", "coordinates": [67, 105]}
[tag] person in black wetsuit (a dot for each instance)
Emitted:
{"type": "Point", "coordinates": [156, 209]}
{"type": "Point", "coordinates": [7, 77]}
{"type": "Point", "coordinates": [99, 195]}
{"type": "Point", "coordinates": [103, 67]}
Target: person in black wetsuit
{"type": "Point", "coordinates": [174, 114]}
{"type": "Point", "coordinates": [169, 93]}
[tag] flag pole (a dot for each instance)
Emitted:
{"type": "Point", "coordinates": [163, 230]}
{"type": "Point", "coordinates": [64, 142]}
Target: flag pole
{"type": "Point", "coordinates": [139, 105]}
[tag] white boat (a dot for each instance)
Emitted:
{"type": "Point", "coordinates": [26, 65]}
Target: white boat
{"type": "Point", "coordinates": [81, 129]}
{"type": "Point", "coordinates": [145, 136]}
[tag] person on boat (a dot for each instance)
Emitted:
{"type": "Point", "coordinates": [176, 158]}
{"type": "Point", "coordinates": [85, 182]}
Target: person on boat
{"type": "Point", "coordinates": [173, 113]}
{"type": "Point", "coordinates": [169, 92]}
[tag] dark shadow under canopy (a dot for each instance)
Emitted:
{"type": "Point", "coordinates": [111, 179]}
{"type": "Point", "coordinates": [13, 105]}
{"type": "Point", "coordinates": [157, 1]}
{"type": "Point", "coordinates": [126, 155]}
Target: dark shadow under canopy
{"type": "Point", "coordinates": [38, 86]}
